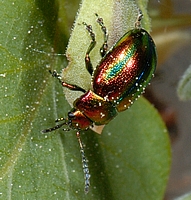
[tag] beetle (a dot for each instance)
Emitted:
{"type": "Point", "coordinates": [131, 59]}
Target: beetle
{"type": "Point", "coordinates": [118, 80]}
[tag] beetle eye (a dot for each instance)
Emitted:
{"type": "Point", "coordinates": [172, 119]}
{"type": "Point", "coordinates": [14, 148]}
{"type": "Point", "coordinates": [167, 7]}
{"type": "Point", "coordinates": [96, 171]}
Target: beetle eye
{"type": "Point", "coordinates": [71, 115]}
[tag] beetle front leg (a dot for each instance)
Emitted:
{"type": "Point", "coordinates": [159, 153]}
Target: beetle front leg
{"type": "Point", "coordinates": [88, 63]}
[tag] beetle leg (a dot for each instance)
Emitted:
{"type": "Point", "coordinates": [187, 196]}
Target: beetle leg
{"type": "Point", "coordinates": [104, 47]}
{"type": "Point", "coordinates": [139, 18]}
{"type": "Point", "coordinates": [88, 63]}
{"type": "Point", "coordinates": [67, 85]}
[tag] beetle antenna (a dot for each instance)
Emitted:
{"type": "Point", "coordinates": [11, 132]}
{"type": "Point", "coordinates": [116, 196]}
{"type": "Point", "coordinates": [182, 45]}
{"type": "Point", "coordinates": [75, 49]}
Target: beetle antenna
{"type": "Point", "coordinates": [84, 164]}
{"type": "Point", "coordinates": [54, 128]}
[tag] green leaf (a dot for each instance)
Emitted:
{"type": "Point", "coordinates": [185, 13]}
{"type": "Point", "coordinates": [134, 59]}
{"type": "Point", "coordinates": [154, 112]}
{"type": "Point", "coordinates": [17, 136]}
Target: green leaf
{"type": "Point", "coordinates": [119, 18]}
{"type": "Point", "coordinates": [130, 159]}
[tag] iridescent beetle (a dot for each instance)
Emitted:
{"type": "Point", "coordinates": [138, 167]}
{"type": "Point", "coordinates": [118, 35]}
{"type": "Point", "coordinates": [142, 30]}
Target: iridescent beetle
{"type": "Point", "coordinates": [118, 80]}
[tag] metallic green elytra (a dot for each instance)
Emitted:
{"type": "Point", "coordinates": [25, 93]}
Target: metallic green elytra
{"type": "Point", "coordinates": [126, 70]}
{"type": "Point", "coordinates": [118, 80]}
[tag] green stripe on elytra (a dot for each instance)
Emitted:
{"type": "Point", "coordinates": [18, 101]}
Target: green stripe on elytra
{"type": "Point", "coordinates": [118, 67]}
